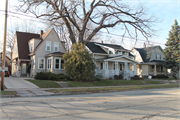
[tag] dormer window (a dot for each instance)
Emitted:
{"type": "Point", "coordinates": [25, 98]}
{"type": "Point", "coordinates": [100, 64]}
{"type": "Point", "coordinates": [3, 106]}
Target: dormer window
{"type": "Point", "coordinates": [118, 52]}
{"type": "Point", "coordinates": [48, 45]}
{"type": "Point", "coordinates": [110, 52]}
{"type": "Point", "coordinates": [31, 46]}
{"type": "Point", "coordinates": [56, 46]}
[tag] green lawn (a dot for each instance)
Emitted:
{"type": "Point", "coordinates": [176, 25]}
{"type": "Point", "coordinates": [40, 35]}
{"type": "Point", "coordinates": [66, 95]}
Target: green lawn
{"type": "Point", "coordinates": [8, 93]}
{"type": "Point", "coordinates": [45, 83]}
{"type": "Point", "coordinates": [153, 82]}
{"type": "Point", "coordinates": [110, 83]}
{"type": "Point", "coordinates": [94, 90]}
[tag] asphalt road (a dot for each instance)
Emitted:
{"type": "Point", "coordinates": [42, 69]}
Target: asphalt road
{"type": "Point", "coordinates": [154, 104]}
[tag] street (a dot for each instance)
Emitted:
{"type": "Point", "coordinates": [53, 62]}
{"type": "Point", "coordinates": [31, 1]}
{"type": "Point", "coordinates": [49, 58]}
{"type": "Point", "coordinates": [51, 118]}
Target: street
{"type": "Point", "coordinates": [153, 104]}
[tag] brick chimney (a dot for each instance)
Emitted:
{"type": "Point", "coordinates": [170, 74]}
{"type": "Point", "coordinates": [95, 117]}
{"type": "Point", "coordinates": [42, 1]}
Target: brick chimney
{"type": "Point", "coordinates": [144, 45]}
{"type": "Point", "coordinates": [41, 33]}
{"type": "Point", "coordinates": [101, 41]}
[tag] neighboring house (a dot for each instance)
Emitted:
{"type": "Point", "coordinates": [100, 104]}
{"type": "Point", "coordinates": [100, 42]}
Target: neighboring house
{"type": "Point", "coordinates": [151, 60]}
{"type": "Point", "coordinates": [112, 60]}
{"type": "Point", "coordinates": [36, 53]}
{"type": "Point", "coordinates": [7, 63]}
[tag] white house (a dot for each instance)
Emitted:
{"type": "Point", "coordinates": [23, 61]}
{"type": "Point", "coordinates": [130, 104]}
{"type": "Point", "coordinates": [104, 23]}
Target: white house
{"type": "Point", "coordinates": [112, 60]}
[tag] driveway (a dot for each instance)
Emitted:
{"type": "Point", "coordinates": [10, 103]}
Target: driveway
{"type": "Point", "coordinates": [18, 82]}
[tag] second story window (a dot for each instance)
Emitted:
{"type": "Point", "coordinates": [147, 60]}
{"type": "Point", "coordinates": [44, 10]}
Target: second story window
{"type": "Point", "coordinates": [31, 46]}
{"type": "Point", "coordinates": [56, 46]}
{"type": "Point", "coordinates": [110, 52]}
{"type": "Point", "coordinates": [48, 46]}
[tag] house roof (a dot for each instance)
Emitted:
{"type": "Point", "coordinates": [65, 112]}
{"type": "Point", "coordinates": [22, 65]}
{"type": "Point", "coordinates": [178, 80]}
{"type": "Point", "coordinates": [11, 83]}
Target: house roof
{"type": "Point", "coordinates": [115, 57]}
{"type": "Point", "coordinates": [116, 47]}
{"type": "Point", "coordinates": [95, 48]}
{"type": "Point", "coordinates": [55, 54]}
{"type": "Point", "coordinates": [146, 52]}
{"type": "Point", "coordinates": [23, 39]}
{"type": "Point", "coordinates": [22, 42]}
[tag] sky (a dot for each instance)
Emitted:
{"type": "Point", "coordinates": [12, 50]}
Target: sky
{"type": "Point", "coordinates": [165, 10]}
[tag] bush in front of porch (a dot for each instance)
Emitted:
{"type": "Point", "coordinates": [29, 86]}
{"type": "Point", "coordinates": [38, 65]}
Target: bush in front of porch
{"type": "Point", "coordinates": [51, 76]}
{"type": "Point", "coordinates": [79, 64]}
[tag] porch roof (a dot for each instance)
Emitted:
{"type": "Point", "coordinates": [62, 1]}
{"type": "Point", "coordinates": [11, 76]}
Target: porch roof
{"type": "Point", "coordinates": [120, 56]}
{"type": "Point", "coordinates": [55, 54]}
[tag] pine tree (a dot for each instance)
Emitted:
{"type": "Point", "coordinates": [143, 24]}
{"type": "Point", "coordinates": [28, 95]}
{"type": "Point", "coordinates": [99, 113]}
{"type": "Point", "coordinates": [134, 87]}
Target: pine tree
{"type": "Point", "coordinates": [78, 63]}
{"type": "Point", "coordinates": [172, 50]}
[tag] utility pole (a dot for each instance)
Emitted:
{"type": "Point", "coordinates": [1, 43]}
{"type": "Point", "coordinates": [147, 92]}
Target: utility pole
{"type": "Point", "coordinates": [4, 47]}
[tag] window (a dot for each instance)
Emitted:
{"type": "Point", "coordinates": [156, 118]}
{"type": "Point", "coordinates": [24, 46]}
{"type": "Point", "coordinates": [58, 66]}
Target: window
{"type": "Point", "coordinates": [32, 63]}
{"type": "Point", "coordinates": [48, 45]}
{"type": "Point", "coordinates": [57, 63]}
{"type": "Point", "coordinates": [49, 63]}
{"type": "Point", "coordinates": [121, 67]}
{"type": "Point", "coordinates": [56, 46]}
{"type": "Point", "coordinates": [101, 66]}
{"type": "Point", "coordinates": [157, 56]}
{"type": "Point", "coordinates": [41, 63]}
{"type": "Point", "coordinates": [118, 52]}
{"type": "Point", "coordinates": [62, 62]}
{"type": "Point", "coordinates": [110, 52]}
{"type": "Point", "coordinates": [31, 46]}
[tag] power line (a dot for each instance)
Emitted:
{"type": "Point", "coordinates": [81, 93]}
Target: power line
{"type": "Point", "coordinates": [89, 29]}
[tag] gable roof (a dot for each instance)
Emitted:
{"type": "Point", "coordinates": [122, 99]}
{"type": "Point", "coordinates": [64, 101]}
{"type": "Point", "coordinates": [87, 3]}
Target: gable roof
{"type": "Point", "coordinates": [23, 39]}
{"type": "Point", "coordinates": [22, 42]}
{"type": "Point", "coordinates": [95, 48]}
{"type": "Point", "coordinates": [116, 47]}
{"type": "Point", "coordinates": [146, 52]}
{"type": "Point", "coordinates": [115, 57]}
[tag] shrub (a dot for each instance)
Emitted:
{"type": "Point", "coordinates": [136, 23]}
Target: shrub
{"type": "Point", "coordinates": [160, 76]}
{"type": "Point", "coordinates": [97, 79]}
{"type": "Point", "coordinates": [79, 64]}
{"type": "Point", "coordinates": [120, 77]}
{"type": "Point", "coordinates": [136, 77]}
{"type": "Point", "coordinates": [116, 77]}
{"type": "Point", "coordinates": [50, 76]}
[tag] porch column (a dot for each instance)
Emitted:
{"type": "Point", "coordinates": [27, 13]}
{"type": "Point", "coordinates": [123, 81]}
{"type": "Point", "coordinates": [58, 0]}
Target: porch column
{"type": "Point", "coordinates": [116, 68]}
{"type": "Point", "coordinates": [125, 76]}
{"type": "Point", "coordinates": [125, 66]}
{"type": "Point", "coordinates": [105, 73]}
{"type": "Point", "coordinates": [155, 73]}
{"type": "Point", "coordinates": [135, 70]}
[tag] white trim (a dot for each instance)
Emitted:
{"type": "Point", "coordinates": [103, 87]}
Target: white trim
{"type": "Point", "coordinates": [43, 63]}
{"type": "Point", "coordinates": [57, 46]}
{"type": "Point", "coordinates": [49, 46]}
{"type": "Point", "coordinates": [50, 63]}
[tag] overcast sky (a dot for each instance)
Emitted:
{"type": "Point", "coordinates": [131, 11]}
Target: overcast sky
{"type": "Point", "coordinates": [165, 10]}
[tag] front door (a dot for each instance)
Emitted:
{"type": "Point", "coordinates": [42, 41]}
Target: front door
{"type": "Point", "coordinates": [23, 68]}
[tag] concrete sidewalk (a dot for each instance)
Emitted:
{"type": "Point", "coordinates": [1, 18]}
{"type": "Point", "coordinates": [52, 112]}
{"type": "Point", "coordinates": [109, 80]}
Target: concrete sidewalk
{"type": "Point", "coordinates": [34, 92]}
{"type": "Point", "coordinates": [18, 82]}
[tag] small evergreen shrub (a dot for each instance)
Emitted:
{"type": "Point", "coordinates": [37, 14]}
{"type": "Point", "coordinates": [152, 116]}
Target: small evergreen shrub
{"type": "Point", "coordinates": [159, 76]}
{"type": "Point", "coordinates": [120, 77]}
{"type": "Point", "coordinates": [136, 77]}
{"type": "Point", "coordinates": [116, 77]}
{"type": "Point", "coordinates": [51, 76]}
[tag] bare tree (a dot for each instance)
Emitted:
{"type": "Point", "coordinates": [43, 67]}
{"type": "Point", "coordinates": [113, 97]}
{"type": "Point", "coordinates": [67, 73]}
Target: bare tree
{"type": "Point", "coordinates": [75, 15]}
{"type": "Point", "coordinates": [19, 26]}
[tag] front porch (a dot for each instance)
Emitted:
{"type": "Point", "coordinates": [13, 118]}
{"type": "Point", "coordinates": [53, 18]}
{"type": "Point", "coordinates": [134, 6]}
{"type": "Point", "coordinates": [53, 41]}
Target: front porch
{"type": "Point", "coordinates": [155, 70]}
{"type": "Point", "coordinates": [107, 69]}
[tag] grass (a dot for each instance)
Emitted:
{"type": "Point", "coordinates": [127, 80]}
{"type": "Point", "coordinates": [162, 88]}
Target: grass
{"type": "Point", "coordinates": [45, 83]}
{"type": "Point", "coordinates": [110, 83]}
{"type": "Point", "coordinates": [165, 78]}
{"type": "Point", "coordinates": [153, 82]}
{"type": "Point", "coordinates": [95, 90]}
{"type": "Point", "coordinates": [8, 93]}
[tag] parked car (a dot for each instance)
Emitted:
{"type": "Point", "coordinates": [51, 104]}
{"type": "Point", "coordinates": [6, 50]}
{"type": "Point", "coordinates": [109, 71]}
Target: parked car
{"type": "Point", "coordinates": [6, 73]}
